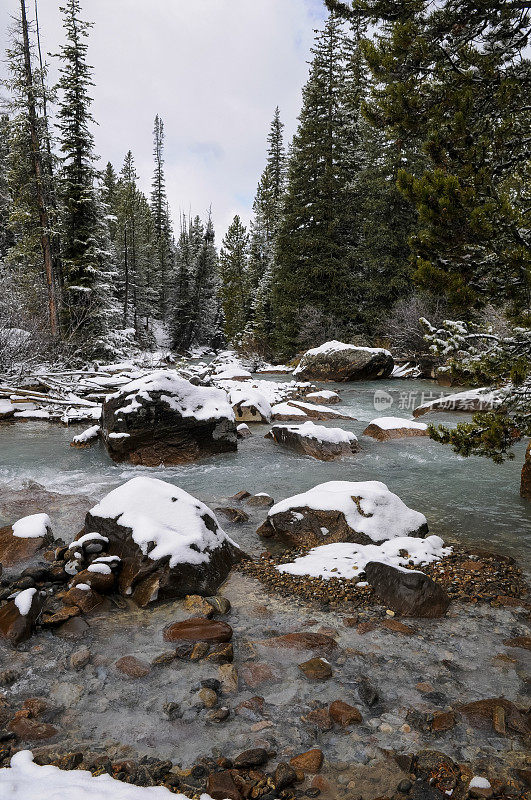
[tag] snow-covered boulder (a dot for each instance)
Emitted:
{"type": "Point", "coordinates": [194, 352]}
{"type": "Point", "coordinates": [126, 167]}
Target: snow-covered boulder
{"type": "Point", "coordinates": [318, 412]}
{"type": "Point", "coordinates": [18, 616]}
{"type": "Point", "coordinates": [315, 440]}
{"type": "Point", "coordinates": [343, 511]}
{"type": "Point", "coordinates": [325, 397]}
{"type": "Point", "coordinates": [163, 419]}
{"type": "Point", "coordinates": [347, 560]}
{"type": "Point", "coordinates": [337, 361]}
{"type": "Point", "coordinates": [22, 540]}
{"type": "Point", "coordinates": [170, 543]}
{"type": "Point", "coordinates": [408, 592]}
{"type": "Point", "coordinates": [472, 400]}
{"type": "Point", "coordinates": [250, 405]}
{"type": "Point", "coordinates": [7, 409]}
{"type": "Point", "coordinates": [87, 437]}
{"type": "Point", "coordinates": [384, 428]}
{"type": "Point", "coordinates": [285, 412]}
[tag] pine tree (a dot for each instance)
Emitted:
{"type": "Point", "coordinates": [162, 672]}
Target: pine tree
{"type": "Point", "coordinates": [452, 78]}
{"type": "Point", "coordinates": [83, 228]}
{"type": "Point", "coordinates": [206, 289]}
{"type": "Point", "coordinates": [159, 208]}
{"type": "Point", "coordinates": [234, 277]}
{"type": "Point", "coordinates": [316, 228]}
{"type": "Point", "coordinates": [6, 236]}
{"type": "Point", "coordinates": [182, 316]}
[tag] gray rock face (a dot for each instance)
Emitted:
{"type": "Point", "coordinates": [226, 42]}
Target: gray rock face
{"type": "Point", "coordinates": [336, 361]}
{"type": "Point", "coordinates": [164, 419]}
{"type": "Point", "coordinates": [411, 594]}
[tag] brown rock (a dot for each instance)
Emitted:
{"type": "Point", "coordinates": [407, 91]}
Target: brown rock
{"type": "Point", "coordinates": [347, 363]}
{"type": "Point", "coordinates": [228, 675]}
{"type": "Point", "coordinates": [239, 496]}
{"type": "Point", "coordinates": [343, 713]}
{"type": "Point", "coordinates": [198, 629]}
{"type": "Point", "coordinates": [350, 622]}
{"type": "Point", "coordinates": [198, 606]}
{"type": "Point", "coordinates": [396, 626]}
{"type": "Point", "coordinates": [74, 628]}
{"type": "Point", "coordinates": [302, 641]}
{"type": "Point", "coordinates": [316, 669]}
{"type": "Point", "coordinates": [366, 627]}
{"type": "Point", "coordinates": [101, 582]}
{"type": "Point", "coordinates": [255, 757]}
{"type": "Point", "coordinates": [53, 619]}
{"type": "Point", "coordinates": [221, 654]}
{"type": "Point", "coordinates": [133, 667]}
{"type": "Point", "coordinates": [84, 599]}
{"type": "Point", "coordinates": [525, 484]}
{"type": "Point", "coordinates": [80, 658]}
{"type": "Point", "coordinates": [284, 776]}
{"type": "Point", "coordinates": [385, 434]}
{"type": "Point", "coordinates": [519, 641]}
{"type": "Point", "coordinates": [442, 721]}
{"type": "Point", "coordinates": [298, 439]}
{"type": "Point", "coordinates": [260, 501]}
{"type": "Point", "coordinates": [236, 515]}
{"type": "Point", "coordinates": [199, 651]}
{"type": "Point", "coordinates": [29, 730]}
{"type": "Point", "coordinates": [498, 720]}
{"type": "Point", "coordinates": [16, 627]}
{"type": "Point", "coordinates": [311, 761]}
{"type": "Point", "coordinates": [481, 713]}
{"type": "Point", "coordinates": [208, 697]}
{"type": "Point", "coordinates": [15, 550]}
{"type": "Point", "coordinates": [221, 786]}
{"type": "Point", "coordinates": [255, 673]}
{"type": "Point", "coordinates": [147, 590]}
{"type": "Point", "coordinates": [252, 708]}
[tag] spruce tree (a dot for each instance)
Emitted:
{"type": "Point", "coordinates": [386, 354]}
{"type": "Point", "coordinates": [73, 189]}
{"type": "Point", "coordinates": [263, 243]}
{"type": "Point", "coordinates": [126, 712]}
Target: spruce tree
{"type": "Point", "coordinates": [234, 278]}
{"type": "Point", "coordinates": [316, 228]}
{"type": "Point", "coordinates": [83, 227]}
{"type": "Point", "coordinates": [206, 329]}
{"type": "Point", "coordinates": [159, 208]}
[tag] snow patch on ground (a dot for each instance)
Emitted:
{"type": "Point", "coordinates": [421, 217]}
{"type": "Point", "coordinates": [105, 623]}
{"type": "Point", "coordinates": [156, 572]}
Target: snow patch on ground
{"type": "Point", "coordinates": [346, 560]}
{"type": "Point", "coordinates": [164, 519]}
{"type": "Point", "coordinates": [368, 506]}
{"type": "Point", "coordinates": [32, 527]}
{"type": "Point", "coordinates": [25, 780]}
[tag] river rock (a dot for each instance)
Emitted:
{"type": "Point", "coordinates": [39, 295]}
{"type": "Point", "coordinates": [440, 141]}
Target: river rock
{"type": "Point", "coordinates": [22, 540]}
{"type": "Point", "coordinates": [473, 400]}
{"type": "Point", "coordinates": [311, 761]}
{"type": "Point", "coordinates": [306, 640]}
{"type": "Point", "coordinates": [525, 484]}
{"type": "Point", "coordinates": [385, 428]}
{"type": "Point", "coordinates": [250, 405]}
{"type": "Point", "coordinates": [410, 593]}
{"type": "Point", "coordinates": [323, 397]}
{"type": "Point", "coordinates": [337, 361]}
{"type": "Point", "coordinates": [133, 667]}
{"type": "Point", "coordinates": [18, 616]}
{"type": "Point", "coordinates": [316, 669]}
{"type": "Point", "coordinates": [164, 419]}
{"type": "Point", "coordinates": [198, 629]}
{"type": "Point", "coordinates": [255, 757]}
{"type": "Point", "coordinates": [243, 431]}
{"type": "Point", "coordinates": [322, 443]}
{"type": "Point", "coordinates": [31, 730]}
{"type": "Point", "coordinates": [342, 511]}
{"type": "Point", "coordinates": [170, 543]}
{"type": "Point", "coordinates": [221, 786]}
{"type": "Point", "coordinates": [343, 713]}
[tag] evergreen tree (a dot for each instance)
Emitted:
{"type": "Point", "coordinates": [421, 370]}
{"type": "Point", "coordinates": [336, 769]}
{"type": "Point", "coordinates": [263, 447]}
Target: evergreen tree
{"type": "Point", "coordinates": [316, 228]}
{"type": "Point", "coordinates": [234, 277]}
{"type": "Point", "coordinates": [83, 228]}
{"type": "Point", "coordinates": [159, 208]}
{"type": "Point", "coordinates": [453, 80]}
{"type": "Point", "coordinates": [6, 237]}
{"type": "Point", "coordinates": [181, 321]}
{"type": "Point", "coordinates": [206, 288]}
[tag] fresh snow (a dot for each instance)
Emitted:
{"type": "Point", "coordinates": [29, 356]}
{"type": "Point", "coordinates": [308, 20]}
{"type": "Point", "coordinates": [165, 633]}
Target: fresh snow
{"type": "Point", "coordinates": [247, 397]}
{"type": "Point", "coordinates": [88, 537]}
{"type": "Point", "coordinates": [285, 409]}
{"type": "Point", "coordinates": [334, 346]}
{"type": "Point", "coordinates": [23, 601]}
{"type": "Point", "coordinates": [478, 782]}
{"type": "Point", "coordinates": [232, 373]}
{"type": "Point", "coordinates": [28, 414]}
{"type": "Point", "coordinates": [323, 394]}
{"type": "Point", "coordinates": [311, 431]}
{"type": "Point", "coordinates": [6, 406]}
{"type": "Point", "coordinates": [392, 423]}
{"type": "Point", "coordinates": [25, 780]}
{"type": "Point", "coordinates": [188, 400]}
{"type": "Point", "coordinates": [164, 520]}
{"type": "Point", "coordinates": [384, 515]}
{"type": "Point", "coordinates": [460, 401]}
{"type": "Point", "coordinates": [300, 404]}
{"type": "Point", "coordinates": [32, 527]}
{"type": "Point", "coordinates": [87, 436]}
{"type": "Point", "coordinates": [347, 560]}
{"type": "Point", "coordinates": [102, 569]}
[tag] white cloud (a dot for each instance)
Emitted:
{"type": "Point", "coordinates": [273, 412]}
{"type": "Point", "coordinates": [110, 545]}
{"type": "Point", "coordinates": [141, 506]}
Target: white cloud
{"type": "Point", "coordinates": [213, 69]}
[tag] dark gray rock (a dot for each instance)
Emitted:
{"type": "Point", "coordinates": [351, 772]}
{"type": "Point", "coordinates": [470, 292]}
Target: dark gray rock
{"type": "Point", "coordinates": [410, 593]}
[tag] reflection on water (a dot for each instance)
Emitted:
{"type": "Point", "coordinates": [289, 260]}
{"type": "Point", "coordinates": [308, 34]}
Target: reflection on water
{"type": "Point", "coordinates": [467, 500]}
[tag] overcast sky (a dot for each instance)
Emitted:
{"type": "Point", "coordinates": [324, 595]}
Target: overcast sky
{"type": "Point", "coordinates": [214, 70]}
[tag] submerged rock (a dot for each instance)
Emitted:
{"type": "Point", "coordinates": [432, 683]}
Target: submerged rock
{"type": "Point", "coordinates": [170, 544]}
{"type": "Point", "coordinates": [410, 593]}
{"type": "Point", "coordinates": [164, 419]}
{"type": "Point", "coordinates": [322, 443]}
{"type": "Point", "coordinates": [337, 361]}
{"type": "Point", "coordinates": [343, 511]}
{"type": "Point", "coordinates": [198, 629]}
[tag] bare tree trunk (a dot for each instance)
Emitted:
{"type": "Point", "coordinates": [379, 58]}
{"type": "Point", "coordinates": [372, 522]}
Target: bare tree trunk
{"type": "Point", "coordinates": [39, 185]}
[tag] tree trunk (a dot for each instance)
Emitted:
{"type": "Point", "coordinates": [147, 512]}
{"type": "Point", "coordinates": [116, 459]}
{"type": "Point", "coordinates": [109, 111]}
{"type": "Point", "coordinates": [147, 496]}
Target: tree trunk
{"type": "Point", "coordinates": [39, 185]}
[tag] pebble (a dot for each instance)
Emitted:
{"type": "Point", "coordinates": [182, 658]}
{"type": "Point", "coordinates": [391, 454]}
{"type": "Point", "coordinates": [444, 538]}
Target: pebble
{"type": "Point", "coordinates": [80, 658]}
{"type": "Point", "coordinates": [208, 697]}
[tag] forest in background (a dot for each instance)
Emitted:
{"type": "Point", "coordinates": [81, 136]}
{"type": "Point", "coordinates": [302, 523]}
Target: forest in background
{"type": "Point", "coordinates": [405, 193]}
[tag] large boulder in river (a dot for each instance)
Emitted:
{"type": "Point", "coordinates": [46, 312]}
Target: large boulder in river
{"type": "Point", "coordinates": [337, 361]}
{"type": "Point", "coordinates": [343, 511]}
{"type": "Point", "coordinates": [408, 592]}
{"type": "Point", "coordinates": [164, 419]}
{"type": "Point", "coordinates": [385, 428]}
{"type": "Point", "coordinates": [309, 439]}
{"type": "Point", "coordinates": [470, 401]}
{"type": "Point", "coordinates": [170, 543]}
{"type": "Point", "coordinates": [525, 485]}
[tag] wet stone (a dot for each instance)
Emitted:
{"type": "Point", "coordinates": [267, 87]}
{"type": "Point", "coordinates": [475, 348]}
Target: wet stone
{"type": "Point", "coordinates": [133, 667]}
{"type": "Point", "coordinates": [80, 658]}
{"type": "Point", "coordinates": [208, 697]}
{"type": "Point", "coordinates": [343, 713]}
{"type": "Point", "coordinates": [368, 694]}
{"type": "Point", "coordinates": [251, 758]}
{"type": "Point", "coordinates": [198, 629]}
{"type": "Point", "coordinates": [316, 669]}
{"type": "Point", "coordinates": [218, 714]}
{"type": "Point", "coordinates": [311, 761]}
{"type": "Point", "coordinates": [221, 654]}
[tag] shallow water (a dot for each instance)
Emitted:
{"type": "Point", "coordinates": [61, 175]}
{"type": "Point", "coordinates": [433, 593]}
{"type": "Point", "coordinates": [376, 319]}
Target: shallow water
{"type": "Point", "coordinates": [471, 501]}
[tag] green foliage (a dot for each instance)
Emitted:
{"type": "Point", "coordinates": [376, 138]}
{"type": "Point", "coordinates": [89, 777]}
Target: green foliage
{"type": "Point", "coordinates": [234, 279]}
